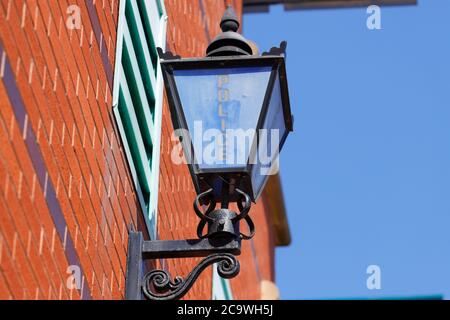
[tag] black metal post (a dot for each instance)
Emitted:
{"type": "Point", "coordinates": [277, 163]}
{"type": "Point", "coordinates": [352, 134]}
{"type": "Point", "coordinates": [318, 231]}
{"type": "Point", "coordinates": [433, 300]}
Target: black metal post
{"type": "Point", "coordinates": [134, 266]}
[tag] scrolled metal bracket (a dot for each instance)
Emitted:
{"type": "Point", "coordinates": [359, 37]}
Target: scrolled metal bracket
{"type": "Point", "coordinates": [159, 286]}
{"type": "Point", "coordinates": [220, 244]}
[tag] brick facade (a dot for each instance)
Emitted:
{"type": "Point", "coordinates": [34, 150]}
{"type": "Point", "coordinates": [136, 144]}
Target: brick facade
{"type": "Point", "coordinates": [66, 195]}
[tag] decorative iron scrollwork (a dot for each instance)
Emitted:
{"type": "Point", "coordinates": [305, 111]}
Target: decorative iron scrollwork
{"type": "Point", "coordinates": [244, 209]}
{"type": "Point", "coordinates": [277, 51]}
{"type": "Point", "coordinates": [157, 284]}
{"type": "Point", "coordinates": [208, 215]}
{"type": "Point", "coordinates": [220, 244]}
{"type": "Point", "coordinates": [203, 215]}
{"type": "Point", "coordinates": [167, 55]}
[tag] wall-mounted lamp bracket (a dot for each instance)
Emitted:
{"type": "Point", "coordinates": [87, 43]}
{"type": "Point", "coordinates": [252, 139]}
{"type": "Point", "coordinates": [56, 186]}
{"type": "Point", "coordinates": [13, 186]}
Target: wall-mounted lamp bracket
{"type": "Point", "coordinates": [220, 245]}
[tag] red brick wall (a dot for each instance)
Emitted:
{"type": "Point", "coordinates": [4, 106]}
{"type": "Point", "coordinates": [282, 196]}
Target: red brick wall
{"type": "Point", "coordinates": [65, 190]}
{"type": "Point", "coordinates": [66, 196]}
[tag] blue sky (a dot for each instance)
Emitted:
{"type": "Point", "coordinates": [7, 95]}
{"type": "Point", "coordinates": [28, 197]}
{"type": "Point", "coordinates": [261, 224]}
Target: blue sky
{"type": "Point", "coordinates": [366, 174]}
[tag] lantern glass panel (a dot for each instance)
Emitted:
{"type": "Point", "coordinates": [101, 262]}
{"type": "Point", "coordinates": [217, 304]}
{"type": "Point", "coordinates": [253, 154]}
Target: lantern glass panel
{"type": "Point", "coordinates": [271, 137]}
{"type": "Point", "coordinates": [221, 109]}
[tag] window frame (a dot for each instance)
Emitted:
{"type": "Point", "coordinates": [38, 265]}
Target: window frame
{"type": "Point", "coordinates": [153, 8]}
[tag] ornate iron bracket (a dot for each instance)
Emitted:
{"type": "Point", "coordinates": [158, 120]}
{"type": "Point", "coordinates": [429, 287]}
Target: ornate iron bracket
{"type": "Point", "coordinates": [220, 244]}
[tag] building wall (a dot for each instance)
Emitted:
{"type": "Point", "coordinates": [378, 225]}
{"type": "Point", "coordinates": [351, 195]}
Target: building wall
{"type": "Point", "coordinates": [66, 195]}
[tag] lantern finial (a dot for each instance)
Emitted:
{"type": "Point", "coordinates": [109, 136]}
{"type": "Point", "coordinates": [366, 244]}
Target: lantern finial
{"type": "Point", "coordinates": [229, 20]}
{"type": "Point", "coordinates": [229, 42]}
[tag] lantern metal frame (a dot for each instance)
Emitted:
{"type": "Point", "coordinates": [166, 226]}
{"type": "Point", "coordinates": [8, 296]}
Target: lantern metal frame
{"type": "Point", "coordinates": [275, 59]}
{"type": "Point", "coordinates": [222, 240]}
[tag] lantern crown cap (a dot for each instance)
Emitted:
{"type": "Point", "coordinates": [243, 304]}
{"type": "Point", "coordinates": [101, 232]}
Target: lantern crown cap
{"type": "Point", "coordinates": [229, 42]}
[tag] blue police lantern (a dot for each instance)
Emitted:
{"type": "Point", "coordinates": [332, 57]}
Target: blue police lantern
{"type": "Point", "coordinates": [231, 112]}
